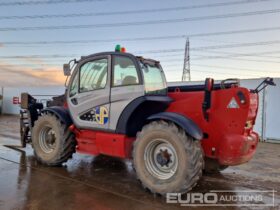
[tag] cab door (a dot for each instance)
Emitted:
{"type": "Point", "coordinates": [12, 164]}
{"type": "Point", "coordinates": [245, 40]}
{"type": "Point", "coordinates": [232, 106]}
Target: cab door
{"type": "Point", "coordinates": [89, 93]}
{"type": "Point", "coordinates": [127, 85]}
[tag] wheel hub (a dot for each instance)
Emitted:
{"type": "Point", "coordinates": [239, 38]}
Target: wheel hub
{"type": "Point", "coordinates": [50, 139]}
{"type": "Point", "coordinates": [47, 139]}
{"type": "Point", "coordinates": [161, 159]}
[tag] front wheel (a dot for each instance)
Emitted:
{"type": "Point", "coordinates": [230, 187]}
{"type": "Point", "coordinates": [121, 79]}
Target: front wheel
{"type": "Point", "coordinates": [166, 159]}
{"type": "Point", "coordinates": [53, 143]}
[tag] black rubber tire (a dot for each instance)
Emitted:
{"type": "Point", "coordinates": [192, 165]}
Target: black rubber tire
{"type": "Point", "coordinates": [213, 167]}
{"type": "Point", "coordinates": [23, 133]}
{"type": "Point", "coordinates": [189, 153]}
{"type": "Point", "coordinates": [65, 141]}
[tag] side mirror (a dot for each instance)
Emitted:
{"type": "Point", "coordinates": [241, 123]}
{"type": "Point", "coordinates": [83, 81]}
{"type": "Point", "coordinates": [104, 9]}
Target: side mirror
{"type": "Point", "coordinates": [269, 81]}
{"type": "Point", "coordinates": [66, 69]}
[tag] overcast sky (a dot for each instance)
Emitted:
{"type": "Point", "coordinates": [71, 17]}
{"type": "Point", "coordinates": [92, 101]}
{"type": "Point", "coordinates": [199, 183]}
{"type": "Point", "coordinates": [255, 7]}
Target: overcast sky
{"type": "Point", "coordinates": [220, 55]}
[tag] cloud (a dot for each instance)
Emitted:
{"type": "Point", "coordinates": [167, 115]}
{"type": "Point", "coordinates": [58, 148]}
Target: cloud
{"type": "Point", "coordinates": [53, 75]}
{"type": "Point", "coordinates": [17, 75]}
{"type": "Point", "coordinates": [33, 60]}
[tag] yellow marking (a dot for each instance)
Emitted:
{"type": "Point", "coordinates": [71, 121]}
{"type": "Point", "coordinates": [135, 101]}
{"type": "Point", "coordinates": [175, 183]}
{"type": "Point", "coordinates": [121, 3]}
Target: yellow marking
{"type": "Point", "coordinates": [103, 113]}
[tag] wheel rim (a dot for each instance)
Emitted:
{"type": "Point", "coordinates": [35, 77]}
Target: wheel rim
{"type": "Point", "coordinates": [47, 139]}
{"type": "Point", "coordinates": [161, 159]}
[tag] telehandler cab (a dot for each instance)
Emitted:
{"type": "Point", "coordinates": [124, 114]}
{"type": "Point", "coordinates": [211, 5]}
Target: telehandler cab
{"type": "Point", "coordinates": [118, 104]}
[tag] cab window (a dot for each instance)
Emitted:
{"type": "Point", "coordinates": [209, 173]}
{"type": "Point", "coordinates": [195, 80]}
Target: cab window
{"type": "Point", "coordinates": [74, 86]}
{"type": "Point", "coordinates": [93, 75]}
{"type": "Point", "coordinates": [125, 72]}
{"type": "Point", "coordinates": [154, 80]}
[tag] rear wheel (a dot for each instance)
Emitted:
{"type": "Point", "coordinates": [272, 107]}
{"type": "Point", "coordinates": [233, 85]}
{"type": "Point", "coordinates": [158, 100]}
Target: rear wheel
{"type": "Point", "coordinates": [166, 159]}
{"type": "Point", "coordinates": [53, 143]}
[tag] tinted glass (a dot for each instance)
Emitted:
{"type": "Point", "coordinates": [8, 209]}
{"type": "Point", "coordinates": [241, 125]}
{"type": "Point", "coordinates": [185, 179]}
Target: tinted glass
{"type": "Point", "coordinates": [93, 75]}
{"type": "Point", "coordinates": [125, 72]}
{"type": "Point", "coordinates": [74, 86]}
{"type": "Point", "coordinates": [154, 80]}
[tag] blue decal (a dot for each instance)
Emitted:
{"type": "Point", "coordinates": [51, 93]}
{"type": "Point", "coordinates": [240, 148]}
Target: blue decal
{"type": "Point", "coordinates": [101, 115]}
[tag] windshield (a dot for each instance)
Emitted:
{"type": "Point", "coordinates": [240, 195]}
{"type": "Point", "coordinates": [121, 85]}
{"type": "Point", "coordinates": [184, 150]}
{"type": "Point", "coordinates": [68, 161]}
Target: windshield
{"type": "Point", "coordinates": [154, 80]}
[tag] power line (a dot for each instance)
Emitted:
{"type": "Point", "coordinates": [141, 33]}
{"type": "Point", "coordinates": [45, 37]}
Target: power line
{"type": "Point", "coordinates": [31, 71]}
{"type": "Point", "coordinates": [23, 3]}
{"type": "Point", "coordinates": [234, 32]}
{"type": "Point", "coordinates": [170, 55]}
{"type": "Point", "coordinates": [234, 57]}
{"type": "Point", "coordinates": [151, 38]}
{"type": "Point", "coordinates": [98, 40]}
{"type": "Point", "coordinates": [131, 12]}
{"type": "Point", "coordinates": [250, 44]}
{"type": "Point", "coordinates": [236, 68]}
{"type": "Point", "coordinates": [223, 57]}
{"type": "Point", "coordinates": [210, 66]}
{"type": "Point", "coordinates": [231, 55]}
{"type": "Point", "coordinates": [258, 54]}
{"type": "Point", "coordinates": [55, 71]}
{"type": "Point", "coordinates": [243, 59]}
{"type": "Point", "coordinates": [228, 57]}
{"type": "Point", "coordinates": [28, 65]}
{"type": "Point", "coordinates": [216, 72]}
{"type": "Point", "coordinates": [140, 23]}
{"type": "Point", "coordinates": [38, 56]}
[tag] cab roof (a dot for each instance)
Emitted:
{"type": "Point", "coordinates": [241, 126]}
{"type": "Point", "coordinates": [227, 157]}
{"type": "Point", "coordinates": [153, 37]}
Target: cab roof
{"type": "Point", "coordinates": [140, 58]}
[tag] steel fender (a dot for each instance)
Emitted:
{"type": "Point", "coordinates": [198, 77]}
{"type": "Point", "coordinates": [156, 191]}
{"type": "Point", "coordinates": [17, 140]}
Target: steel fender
{"type": "Point", "coordinates": [61, 112]}
{"type": "Point", "coordinates": [187, 124]}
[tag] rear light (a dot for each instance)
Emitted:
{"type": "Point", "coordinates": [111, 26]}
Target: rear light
{"type": "Point", "coordinates": [241, 97]}
{"type": "Point", "coordinates": [249, 125]}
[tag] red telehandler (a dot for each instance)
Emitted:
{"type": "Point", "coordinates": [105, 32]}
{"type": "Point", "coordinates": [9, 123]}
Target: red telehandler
{"type": "Point", "coordinates": [118, 104]}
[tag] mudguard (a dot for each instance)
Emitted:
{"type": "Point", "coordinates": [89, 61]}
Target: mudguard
{"type": "Point", "coordinates": [61, 112]}
{"type": "Point", "coordinates": [187, 124]}
{"type": "Point", "coordinates": [135, 114]}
